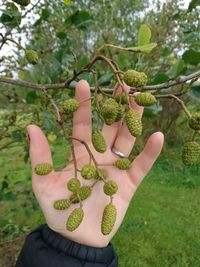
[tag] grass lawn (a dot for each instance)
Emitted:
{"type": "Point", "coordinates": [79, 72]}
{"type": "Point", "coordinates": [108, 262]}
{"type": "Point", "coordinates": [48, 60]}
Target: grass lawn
{"type": "Point", "coordinates": [161, 227]}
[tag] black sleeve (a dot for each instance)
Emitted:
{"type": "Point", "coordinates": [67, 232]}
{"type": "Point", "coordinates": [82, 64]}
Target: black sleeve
{"type": "Point", "coordinates": [46, 248]}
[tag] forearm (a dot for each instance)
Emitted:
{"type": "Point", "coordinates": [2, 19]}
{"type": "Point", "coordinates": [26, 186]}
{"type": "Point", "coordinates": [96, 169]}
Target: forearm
{"type": "Point", "coordinates": [46, 248]}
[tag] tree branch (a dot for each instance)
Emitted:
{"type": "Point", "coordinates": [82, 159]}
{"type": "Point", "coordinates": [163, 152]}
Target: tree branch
{"type": "Point", "coordinates": [20, 83]}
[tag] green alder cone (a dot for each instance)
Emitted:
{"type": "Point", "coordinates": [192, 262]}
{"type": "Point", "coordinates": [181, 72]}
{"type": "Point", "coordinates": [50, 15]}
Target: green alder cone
{"type": "Point", "coordinates": [194, 121]}
{"type": "Point", "coordinates": [190, 153]}
{"type": "Point", "coordinates": [75, 219]}
{"type": "Point", "coordinates": [73, 185]}
{"type": "Point", "coordinates": [62, 204]}
{"type": "Point", "coordinates": [110, 188]}
{"type": "Point", "coordinates": [22, 2]}
{"type": "Point", "coordinates": [134, 123]}
{"type": "Point", "coordinates": [84, 192]}
{"type": "Point", "coordinates": [32, 57]}
{"type": "Point", "coordinates": [108, 219]}
{"type": "Point", "coordinates": [99, 142]}
{"type": "Point", "coordinates": [122, 98]}
{"type": "Point", "coordinates": [123, 164]}
{"type": "Point", "coordinates": [88, 172]}
{"type": "Point", "coordinates": [145, 99]}
{"type": "Point", "coordinates": [43, 169]}
{"type": "Point", "coordinates": [109, 111]}
{"type": "Point", "coordinates": [70, 105]}
{"type": "Point", "coordinates": [135, 78]}
{"type": "Point", "coordinates": [120, 113]}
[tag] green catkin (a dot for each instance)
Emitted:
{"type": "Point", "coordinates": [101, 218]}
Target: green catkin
{"type": "Point", "coordinates": [120, 113]}
{"type": "Point", "coordinates": [32, 57]}
{"type": "Point", "coordinates": [74, 219]}
{"type": "Point", "coordinates": [70, 105]}
{"type": "Point", "coordinates": [134, 123]}
{"type": "Point", "coordinates": [43, 169]}
{"type": "Point", "coordinates": [108, 219]}
{"type": "Point", "coordinates": [122, 98]}
{"type": "Point", "coordinates": [145, 99]}
{"type": "Point", "coordinates": [62, 204]}
{"type": "Point", "coordinates": [84, 192]}
{"type": "Point", "coordinates": [22, 2]}
{"type": "Point", "coordinates": [73, 184]}
{"type": "Point", "coordinates": [135, 78]}
{"type": "Point", "coordinates": [101, 174]}
{"type": "Point", "coordinates": [123, 164]}
{"type": "Point", "coordinates": [194, 121]}
{"type": "Point", "coordinates": [99, 142]}
{"type": "Point", "coordinates": [110, 188]}
{"type": "Point", "coordinates": [88, 172]}
{"type": "Point", "coordinates": [190, 153]}
{"type": "Point", "coordinates": [109, 111]}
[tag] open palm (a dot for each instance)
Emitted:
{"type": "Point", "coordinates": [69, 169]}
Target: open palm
{"type": "Point", "coordinates": [52, 187]}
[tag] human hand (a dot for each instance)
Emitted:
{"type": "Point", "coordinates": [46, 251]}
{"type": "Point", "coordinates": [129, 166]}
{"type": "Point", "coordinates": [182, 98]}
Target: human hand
{"type": "Point", "coordinates": [52, 187]}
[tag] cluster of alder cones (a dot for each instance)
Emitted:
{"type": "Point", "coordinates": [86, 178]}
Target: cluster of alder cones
{"type": "Point", "coordinates": [110, 110]}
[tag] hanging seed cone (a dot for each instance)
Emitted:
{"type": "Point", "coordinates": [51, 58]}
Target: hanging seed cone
{"type": "Point", "coordinates": [84, 192]}
{"type": "Point", "coordinates": [99, 142]}
{"type": "Point", "coordinates": [134, 123]}
{"type": "Point", "coordinates": [194, 121]}
{"type": "Point", "coordinates": [190, 153]}
{"type": "Point", "coordinates": [62, 204]}
{"type": "Point", "coordinates": [108, 219]}
{"type": "Point", "coordinates": [135, 78]}
{"type": "Point", "coordinates": [43, 168]}
{"type": "Point", "coordinates": [145, 99]}
{"type": "Point", "coordinates": [75, 219]}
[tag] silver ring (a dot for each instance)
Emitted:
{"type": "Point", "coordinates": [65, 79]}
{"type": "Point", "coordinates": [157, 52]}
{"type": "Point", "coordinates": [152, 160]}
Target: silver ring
{"type": "Point", "coordinates": [117, 152]}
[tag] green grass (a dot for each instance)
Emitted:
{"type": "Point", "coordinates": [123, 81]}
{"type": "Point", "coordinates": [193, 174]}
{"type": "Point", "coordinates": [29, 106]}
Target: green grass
{"type": "Point", "coordinates": [161, 227]}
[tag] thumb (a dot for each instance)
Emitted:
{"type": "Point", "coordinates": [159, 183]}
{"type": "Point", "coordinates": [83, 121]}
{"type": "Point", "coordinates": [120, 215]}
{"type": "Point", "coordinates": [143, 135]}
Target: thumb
{"type": "Point", "coordinates": [39, 146]}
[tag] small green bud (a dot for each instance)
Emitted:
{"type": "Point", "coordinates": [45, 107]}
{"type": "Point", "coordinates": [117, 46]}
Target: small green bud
{"type": "Point", "coordinates": [43, 168]}
{"type": "Point", "coordinates": [32, 57]}
{"type": "Point", "coordinates": [123, 164]}
{"type": "Point", "coordinates": [108, 219]}
{"type": "Point", "coordinates": [73, 185]}
{"type": "Point", "coordinates": [110, 188]}
{"type": "Point", "coordinates": [88, 172]}
{"type": "Point", "coordinates": [62, 204]}
{"type": "Point", "coordinates": [75, 219]}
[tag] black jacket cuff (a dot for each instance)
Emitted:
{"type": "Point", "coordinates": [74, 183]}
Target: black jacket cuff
{"type": "Point", "coordinates": [46, 248]}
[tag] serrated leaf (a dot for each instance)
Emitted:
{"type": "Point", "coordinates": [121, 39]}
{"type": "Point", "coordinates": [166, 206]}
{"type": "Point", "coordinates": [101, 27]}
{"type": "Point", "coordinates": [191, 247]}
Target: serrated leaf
{"type": "Point", "coordinates": [144, 35]}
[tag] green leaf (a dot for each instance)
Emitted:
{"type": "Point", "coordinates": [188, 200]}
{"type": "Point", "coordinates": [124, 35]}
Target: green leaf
{"type": "Point", "coordinates": [195, 92]}
{"type": "Point", "coordinates": [31, 97]}
{"type": "Point", "coordinates": [105, 79]}
{"type": "Point", "coordinates": [193, 4]}
{"type": "Point", "coordinates": [80, 19]}
{"type": "Point", "coordinates": [191, 38]}
{"type": "Point", "coordinates": [45, 14]}
{"type": "Point", "coordinates": [61, 34]}
{"type": "Point", "coordinates": [191, 57]}
{"type": "Point", "coordinates": [144, 35]}
{"type": "Point", "coordinates": [16, 136]}
{"type": "Point", "coordinates": [178, 67]}
{"type": "Point", "coordinates": [160, 78]}
{"type": "Point", "coordinates": [143, 49]}
{"type": "Point", "coordinates": [11, 17]}
{"type": "Point", "coordinates": [9, 196]}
